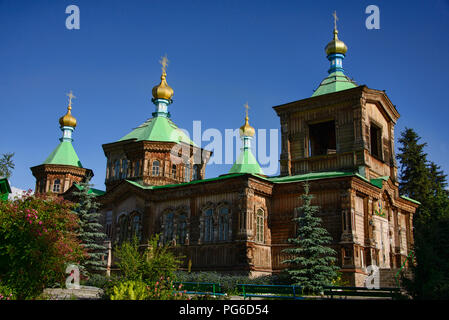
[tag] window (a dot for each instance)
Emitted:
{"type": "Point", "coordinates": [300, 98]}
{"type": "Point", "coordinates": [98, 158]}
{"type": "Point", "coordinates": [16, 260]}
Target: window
{"type": "Point", "coordinates": [124, 168]}
{"type": "Point", "coordinates": [187, 173]}
{"type": "Point", "coordinates": [181, 232]}
{"type": "Point", "coordinates": [123, 228]}
{"type": "Point", "coordinates": [117, 169]}
{"type": "Point", "coordinates": [376, 141]}
{"type": "Point", "coordinates": [109, 224]}
{"type": "Point", "coordinates": [196, 172]}
{"type": "Point", "coordinates": [322, 139]}
{"type": "Point", "coordinates": [168, 227]}
{"type": "Point", "coordinates": [135, 226]}
{"type": "Point", "coordinates": [155, 169]}
{"type": "Point", "coordinates": [42, 186]}
{"type": "Point", "coordinates": [173, 171]}
{"type": "Point", "coordinates": [208, 226]}
{"type": "Point", "coordinates": [223, 224]}
{"type": "Point", "coordinates": [260, 226]}
{"type": "Point", "coordinates": [56, 185]}
{"type": "Point", "coordinates": [137, 169]}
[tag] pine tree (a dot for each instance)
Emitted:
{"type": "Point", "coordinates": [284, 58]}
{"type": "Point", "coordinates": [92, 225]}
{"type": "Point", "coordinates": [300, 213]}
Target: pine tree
{"type": "Point", "coordinates": [426, 182]}
{"type": "Point", "coordinates": [414, 174]}
{"type": "Point", "coordinates": [91, 231]}
{"type": "Point", "coordinates": [312, 265]}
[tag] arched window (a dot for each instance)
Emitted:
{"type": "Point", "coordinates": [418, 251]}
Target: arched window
{"type": "Point", "coordinates": [117, 169]}
{"type": "Point", "coordinates": [196, 170]}
{"type": "Point", "coordinates": [42, 186]}
{"type": "Point", "coordinates": [155, 169]}
{"type": "Point", "coordinates": [168, 227]}
{"type": "Point", "coordinates": [173, 171]}
{"type": "Point", "coordinates": [56, 185]}
{"type": "Point", "coordinates": [135, 227]}
{"type": "Point", "coordinates": [208, 226]}
{"type": "Point", "coordinates": [260, 226]}
{"type": "Point", "coordinates": [187, 173]}
{"type": "Point", "coordinates": [109, 224]}
{"type": "Point", "coordinates": [124, 168]}
{"type": "Point", "coordinates": [137, 169]}
{"type": "Point", "coordinates": [123, 228]}
{"type": "Point", "coordinates": [223, 224]}
{"type": "Point", "coordinates": [181, 232]}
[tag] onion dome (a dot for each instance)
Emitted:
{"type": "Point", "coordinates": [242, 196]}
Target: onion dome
{"type": "Point", "coordinates": [163, 90]}
{"type": "Point", "coordinates": [68, 120]}
{"type": "Point", "coordinates": [246, 130]}
{"type": "Point", "coordinates": [336, 45]}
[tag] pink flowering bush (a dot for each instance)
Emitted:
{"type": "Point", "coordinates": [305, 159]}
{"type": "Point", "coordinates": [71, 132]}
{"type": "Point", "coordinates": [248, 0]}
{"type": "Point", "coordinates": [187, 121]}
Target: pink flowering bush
{"type": "Point", "coordinates": [37, 240]}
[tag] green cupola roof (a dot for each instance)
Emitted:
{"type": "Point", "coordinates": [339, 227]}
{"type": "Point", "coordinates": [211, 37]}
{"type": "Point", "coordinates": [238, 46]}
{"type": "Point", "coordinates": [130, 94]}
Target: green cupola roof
{"type": "Point", "coordinates": [246, 163]}
{"type": "Point", "coordinates": [64, 154]}
{"type": "Point", "coordinates": [159, 128]}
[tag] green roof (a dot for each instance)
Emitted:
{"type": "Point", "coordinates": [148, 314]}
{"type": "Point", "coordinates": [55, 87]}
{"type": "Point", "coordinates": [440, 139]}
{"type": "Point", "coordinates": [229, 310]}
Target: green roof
{"type": "Point", "coordinates": [222, 177]}
{"type": "Point", "coordinates": [158, 129]}
{"type": "Point", "coordinates": [5, 188]}
{"type": "Point", "coordinates": [96, 192]}
{"type": "Point", "coordinates": [246, 163]}
{"type": "Point", "coordinates": [311, 176]}
{"type": "Point", "coordinates": [64, 154]}
{"type": "Point", "coordinates": [378, 182]}
{"type": "Point", "coordinates": [336, 81]}
{"type": "Point", "coordinates": [410, 199]}
{"type": "Point", "coordinates": [279, 179]}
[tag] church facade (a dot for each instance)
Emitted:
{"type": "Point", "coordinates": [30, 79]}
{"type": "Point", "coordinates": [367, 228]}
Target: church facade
{"type": "Point", "coordinates": [340, 140]}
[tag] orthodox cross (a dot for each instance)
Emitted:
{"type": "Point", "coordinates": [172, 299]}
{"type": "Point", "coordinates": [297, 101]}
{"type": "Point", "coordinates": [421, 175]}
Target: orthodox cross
{"type": "Point", "coordinates": [164, 63]}
{"type": "Point", "coordinates": [71, 96]}
{"type": "Point", "coordinates": [246, 107]}
{"type": "Point", "coordinates": [335, 19]}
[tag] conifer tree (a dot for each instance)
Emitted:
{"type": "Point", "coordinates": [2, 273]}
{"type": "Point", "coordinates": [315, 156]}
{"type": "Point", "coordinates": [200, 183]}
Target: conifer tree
{"type": "Point", "coordinates": [91, 231]}
{"type": "Point", "coordinates": [312, 262]}
{"type": "Point", "coordinates": [426, 182]}
{"type": "Point", "coordinates": [414, 179]}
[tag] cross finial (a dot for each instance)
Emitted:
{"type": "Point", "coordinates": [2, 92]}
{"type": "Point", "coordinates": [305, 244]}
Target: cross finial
{"type": "Point", "coordinates": [335, 19]}
{"type": "Point", "coordinates": [164, 62]}
{"type": "Point", "coordinates": [71, 96]}
{"type": "Point", "coordinates": [246, 107]}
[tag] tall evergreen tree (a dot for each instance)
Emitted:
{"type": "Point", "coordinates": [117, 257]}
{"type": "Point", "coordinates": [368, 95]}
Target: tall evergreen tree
{"type": "Point", "coordinates": [426, 182]}
{"type": "Point", "coordinates": [91, 231]}
{"type": "Point", "coordinates": [312, 265]}
{"type": "Point", "coordinates": [414, 179]}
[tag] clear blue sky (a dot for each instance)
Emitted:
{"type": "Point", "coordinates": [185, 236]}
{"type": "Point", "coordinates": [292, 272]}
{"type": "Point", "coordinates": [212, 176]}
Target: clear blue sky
{"type": "Point", "coordinates": [222, 54]}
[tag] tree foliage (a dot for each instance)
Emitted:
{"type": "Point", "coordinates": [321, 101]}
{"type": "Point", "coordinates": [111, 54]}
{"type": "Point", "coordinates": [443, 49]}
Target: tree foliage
{"type": "Point", "coordinates": [91, 231]}
{"type": "Point", "coordinates": [37, 241]}
{"type": "Point", "coordinates": [312, 265]}
{"type": "Point", "coordinates": [424, 181]}
{"type": "Point", "coordinates": [6, 165]}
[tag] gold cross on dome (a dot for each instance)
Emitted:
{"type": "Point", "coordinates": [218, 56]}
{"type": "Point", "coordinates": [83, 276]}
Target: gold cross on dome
{"type": "Point", "coordinates": [164, 62]}
{"type": "Point", "coordinates": [335, 19]}
{"type": "Point", "coordinates": [246, 107]}
{"type": "Point", "coordinates": [71, 96]}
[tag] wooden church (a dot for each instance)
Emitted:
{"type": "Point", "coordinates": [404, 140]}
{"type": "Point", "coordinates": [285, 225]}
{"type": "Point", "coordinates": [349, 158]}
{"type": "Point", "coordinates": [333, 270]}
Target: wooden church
{"type": "Point", "coordinates": [340, 140]}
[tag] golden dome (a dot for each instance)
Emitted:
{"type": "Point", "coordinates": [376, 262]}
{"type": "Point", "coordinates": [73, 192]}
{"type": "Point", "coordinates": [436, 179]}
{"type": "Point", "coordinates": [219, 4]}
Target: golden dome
{"type": "Point", "coordinates": [163, 90]}
{"type": "Point", "coordinates": [246, 129]}
{"type": "Point", "coordinates": [336, 45]}
{"type": "Point", "coordinates": [68, 120]}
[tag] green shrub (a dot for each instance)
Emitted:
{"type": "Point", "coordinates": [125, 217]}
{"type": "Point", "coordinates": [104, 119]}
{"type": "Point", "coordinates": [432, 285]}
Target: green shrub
{"type": "Point", "coordinates": [149, 264]}
{"type": "Point", "coordinates": [130, 290]}
{"type": "Point", "coordinates": [6, 293]}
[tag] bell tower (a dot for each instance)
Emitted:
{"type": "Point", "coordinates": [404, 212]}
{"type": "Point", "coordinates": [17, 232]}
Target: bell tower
{"type": "Point", "coordinates": [341, 127]}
